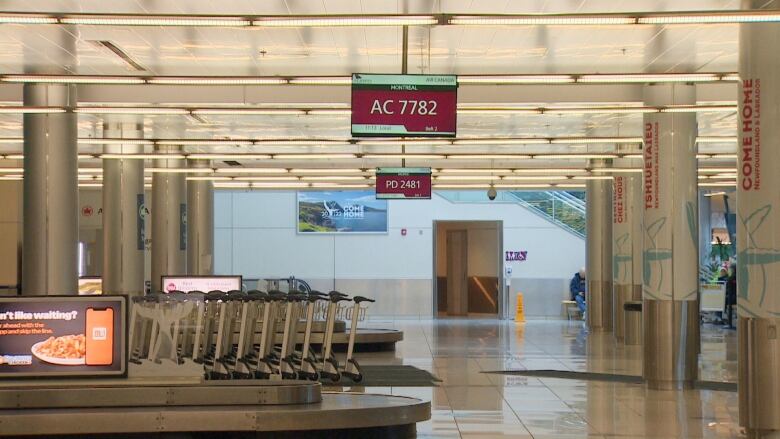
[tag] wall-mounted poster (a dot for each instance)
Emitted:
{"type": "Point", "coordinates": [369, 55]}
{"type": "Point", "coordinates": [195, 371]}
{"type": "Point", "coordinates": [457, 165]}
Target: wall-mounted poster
{"type": "Point", "coordinates": [341, 212]}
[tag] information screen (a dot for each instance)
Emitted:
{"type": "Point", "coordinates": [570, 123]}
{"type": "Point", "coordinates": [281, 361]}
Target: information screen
{"type": "Point", "coordinates": [63, 335]}
{"type": "Point", "coordinates": [403, 183]}
{"type": "Point", "coordinates": [404, 105]}
{"type": "Point", "coordinates": [201, 283]}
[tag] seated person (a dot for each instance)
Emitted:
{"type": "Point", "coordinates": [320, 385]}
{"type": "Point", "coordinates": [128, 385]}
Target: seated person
{"type": "Point", "coordinates": [577, 289]}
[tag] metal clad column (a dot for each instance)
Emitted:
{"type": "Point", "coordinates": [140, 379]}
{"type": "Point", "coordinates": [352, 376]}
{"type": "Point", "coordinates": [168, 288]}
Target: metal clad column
{"type": "Point", "coordinates": [169, 217]}
{"type": "Point", "coordinates": [200, 229]}
{"type": "Point", "coordinates": [671, 248]}
{"type": "Point", "coordinates": [123, 199]}
{"type": "Point", "coordinates": [758, 227]}
{"type": "Point", "coordinates": [599, 253]}
{"type": "Point", "coordinates": [626, 242]}
{"type": "Point", "coordinates": [50, 243]}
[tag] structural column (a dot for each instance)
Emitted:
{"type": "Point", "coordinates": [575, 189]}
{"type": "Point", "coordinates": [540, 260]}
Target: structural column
{"type": "Point", "coordinates": [123, 202]}
{"type": "Point", "coordinates": [671, 248]}
{"type": "Point", "coordinates": [200, 227]}
{"type": "Point", "coordinates": [758, 222]}
{"type": "Point", "coordinates": [11, 236]}
{"type": "Point", "coordinates": [50, 238]}
{"type": "Point", "coordinates": [599, 252]}
{"type": "Point", "coordinates": [626, 241]}
{"type": "Point", "coordinates": [169, 216]}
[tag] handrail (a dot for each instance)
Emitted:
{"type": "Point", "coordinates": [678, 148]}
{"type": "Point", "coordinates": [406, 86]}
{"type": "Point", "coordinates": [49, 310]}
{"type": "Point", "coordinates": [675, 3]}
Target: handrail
{"type": "Point", "coordinates": [552, 197]}
{"type": "Point", "coordinates": [570, 199]}
{"type": "Point", "coordinates": [573, 206]}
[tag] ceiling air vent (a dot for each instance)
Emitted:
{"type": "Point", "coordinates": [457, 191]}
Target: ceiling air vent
{"type": "Point", "coordinates": [231, 163]}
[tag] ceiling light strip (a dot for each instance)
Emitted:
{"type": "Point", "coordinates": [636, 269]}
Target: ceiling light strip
{"type": "Point", "coordinates": [487, 141]}
{"type": "Point", "coordinates": [228, 156]}
{"type": "Point", "coordinates": [370, 20]}
{"type": "Point", "coordinates": [714, 17]}
{"type": "Point", "coordinates": [144, 156]}
{"type": "Point", "coordinates": [155, 20]}
{"type": "Point", "coordinates": [179, 170]}
{"type": "Point", "coordinates": [645, 78]}
{"type": "Point", "coordinates": [72, 79]}
{"type": "Point", "coordinates": [215, 80]}
{"type": "Point", "coordinates": [325, 171]}
{"type": "Point", "coordinates": [302, 110]}
{"type": "Point", "coordinates": [31, 110]}
{"type": "Point", "coordinates": [345, 20]}
{"type": "Point", "coordinates": [242, 170]}
{"type": "Point", "coordinates": [515, 79]}
{"type": "Point", "coordinates": [503, 79]}
{"type": "Point", "coordinates": [133, 110]}
{"type": "Point", "coordinates": [542, 20]}
{"type": "Point", "coordinates": [617, 19]}
{"type": "Point", "coordinates": [18, 18]}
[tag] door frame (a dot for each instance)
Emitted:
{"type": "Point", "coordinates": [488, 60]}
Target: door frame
{"type": "Point", "coordinates": [502, 311]}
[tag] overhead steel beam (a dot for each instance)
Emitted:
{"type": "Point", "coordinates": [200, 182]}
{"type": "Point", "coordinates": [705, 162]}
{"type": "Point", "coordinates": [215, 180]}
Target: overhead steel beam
{"type": "Point", "coordinates": [250, 95]}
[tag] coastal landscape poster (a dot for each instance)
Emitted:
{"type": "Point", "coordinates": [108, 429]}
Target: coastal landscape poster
{"type": "Point", "coordinates": [341, 212]}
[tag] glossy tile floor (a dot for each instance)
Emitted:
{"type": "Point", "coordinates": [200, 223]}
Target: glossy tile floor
{"type": "Point", "coordinates": [472, 404]}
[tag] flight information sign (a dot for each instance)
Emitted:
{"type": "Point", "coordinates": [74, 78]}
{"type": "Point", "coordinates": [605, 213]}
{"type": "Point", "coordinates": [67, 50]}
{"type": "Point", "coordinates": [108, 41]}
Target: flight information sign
{"type": "Point", "coordinates": [403, 183]}
{"type": "Point", "coordinates": [404, 105]}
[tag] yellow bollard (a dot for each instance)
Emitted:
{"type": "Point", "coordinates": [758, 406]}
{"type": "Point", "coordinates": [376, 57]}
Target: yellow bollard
{"type": "Point", "coordinates": [520, 312]}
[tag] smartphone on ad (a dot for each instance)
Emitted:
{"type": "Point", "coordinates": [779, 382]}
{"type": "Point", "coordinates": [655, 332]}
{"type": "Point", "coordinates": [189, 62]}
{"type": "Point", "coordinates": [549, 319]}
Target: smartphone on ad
{"type": "Point", "coordinates": [100, 336]}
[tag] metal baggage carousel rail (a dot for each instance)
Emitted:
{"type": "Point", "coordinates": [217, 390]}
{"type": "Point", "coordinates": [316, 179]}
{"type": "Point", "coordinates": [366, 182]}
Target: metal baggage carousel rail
{"type": "Point", "coordinates": [142, 393]}
{"type": "Point", "coordinates": [336, 415]}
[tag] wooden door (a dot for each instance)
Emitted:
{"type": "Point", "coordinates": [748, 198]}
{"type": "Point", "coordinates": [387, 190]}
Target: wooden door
{"type": "Point", "coordinates": [457, 273]}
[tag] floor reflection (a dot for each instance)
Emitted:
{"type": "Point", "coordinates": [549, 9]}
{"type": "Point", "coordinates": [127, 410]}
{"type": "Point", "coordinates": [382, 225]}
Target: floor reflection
{"type": "Point", "coordinates": [470, 403]}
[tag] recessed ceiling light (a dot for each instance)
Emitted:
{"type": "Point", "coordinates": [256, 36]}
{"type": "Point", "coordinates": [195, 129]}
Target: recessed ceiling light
{"type": "Point", "coordinates": [154, 20]}
{"type": "Point", "coordinates": [132, 110]}
{"type": "Point", "coordinates": [26, 19]}
{"type": "Point", "coordinates": [321, 80]}
{"type": "Point", "coordinates": [179, 170]}
{"type": "Point", "coordinates": [515, 79]}
{"type": "Point", "coordinates": [233, 170]}
{"type": "Point", "coordinates": [215, 80]}
{"type": "Point", "coordinates": [345, 20]}
{"type": "Point", "coordinates": [745, 16]}
{"type": "Point", "coordinates": [72, 79]}
{"type": "Point", "coordinates": [404, 156]}
{"type": "Point", "coordinates": [646, 77]}
{"type": "Point", "coordinates": [592, 177]}
{"type": "Point", "coordinates": [160, 156]}
{"type": "Point", "coordinates": [31, 110]}
{"type": "Point", "coordinates": [488, 156]}
{"type": "Point", "coordinates": [540, 20]}
{"type": "Point", "coordinates": [307, 156]}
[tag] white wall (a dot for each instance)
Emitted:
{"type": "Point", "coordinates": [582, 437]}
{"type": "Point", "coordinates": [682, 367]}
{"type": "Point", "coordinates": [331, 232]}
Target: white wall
{"type": "Point", "coordinates": [256, 237]}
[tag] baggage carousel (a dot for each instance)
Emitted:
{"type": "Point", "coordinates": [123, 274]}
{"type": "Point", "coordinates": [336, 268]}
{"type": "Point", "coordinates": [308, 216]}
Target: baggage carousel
{"type": "Point", "coordinates": [192, 408]}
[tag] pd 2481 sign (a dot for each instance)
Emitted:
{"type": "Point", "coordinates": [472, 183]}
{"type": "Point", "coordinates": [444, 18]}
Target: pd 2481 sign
{"type": "Point", "coordinates": [404, 105]}
{"type": "Point", "coordinates": [403, 183]}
